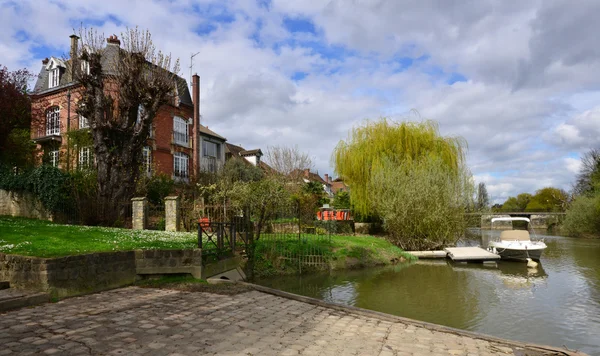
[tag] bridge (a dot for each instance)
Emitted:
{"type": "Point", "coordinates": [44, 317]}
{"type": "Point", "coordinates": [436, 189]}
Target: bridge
{"type": "Point", "coordinates": [539, 220]}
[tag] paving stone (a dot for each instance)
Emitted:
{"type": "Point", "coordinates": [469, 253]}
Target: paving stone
{"type": "Point", "coordinates": [135, 321]}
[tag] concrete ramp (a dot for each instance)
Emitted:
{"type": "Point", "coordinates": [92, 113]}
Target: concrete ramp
{"type": "Point", "coordinates": [470, 254]}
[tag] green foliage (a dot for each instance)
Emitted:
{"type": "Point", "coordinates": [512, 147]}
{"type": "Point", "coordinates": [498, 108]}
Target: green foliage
{"type": "Point", "coordinates": [80, 138]}
{"type": "Point", "coordinates": [381, 142]}
{"type": "Point", "coordinates": [422, 206]}
{"type": "Point", "coordinates": [19, 149]}
{"type": "Point", "coordinates": [517, 204]}
{"type": "Point", "coordinates": [315, 189]}
{"type": "Point", "coordinates": [240, 170]}
{"type": "Point", "coordinates": [583, 217]}
{"type": "Point", "coordinates": [547, 199]}
{"type": "Point", "coordinates": [49, 184]}
{"type": "Point", "coordinates": [15, 118]}
{"type": "Point", "coordinates": [341, 200]}
{"type": "Point", "coordinates": [155, 188]}
{"type": "Point", "coordinates": [39, 238]}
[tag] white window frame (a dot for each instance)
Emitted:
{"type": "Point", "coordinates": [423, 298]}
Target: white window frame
{"type": "Point", "coordinates": [180, 131]}
{"type": "Point", "coordinates": [54, 156]}
{"type": "Point", "coordinates": [147, 160]}
{"type": "Point", "coordinates": [140, 112]}
{"type": "Point", "coordinates": [181, 165]}
{"type": "Point", "coordinates": [85, 67]}
{"type": "Point", "coordinates": [83, 122]}
{"type": "Point", "coordinates": [85, 158]}
{"type": "Point", "coordinates": [54, 78]}
{"type": "Point", "coordinates": [53, 121]}
{"type": "Point", "coordinates": [205, 149]}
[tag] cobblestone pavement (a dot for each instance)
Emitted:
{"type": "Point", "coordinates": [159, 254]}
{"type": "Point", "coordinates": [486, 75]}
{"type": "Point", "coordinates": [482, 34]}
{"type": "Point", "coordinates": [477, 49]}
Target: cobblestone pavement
{"type": "Point", "coordinates": [132, 321]}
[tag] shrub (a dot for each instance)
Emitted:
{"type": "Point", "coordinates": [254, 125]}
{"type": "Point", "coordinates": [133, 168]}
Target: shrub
{"type": "Point", "coordinates": [583, 217]}
{"type": "Point", "coordinates": [422, 204]}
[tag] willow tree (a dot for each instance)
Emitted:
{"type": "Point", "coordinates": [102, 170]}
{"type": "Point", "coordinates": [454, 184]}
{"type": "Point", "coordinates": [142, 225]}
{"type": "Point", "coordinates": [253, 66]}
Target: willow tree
{"type": "Point", "coordinates": [122, 86]}
{"type": "Point", "coordinates": [376, 142]}
{"type": "Point", "coordinates": [410, 176]}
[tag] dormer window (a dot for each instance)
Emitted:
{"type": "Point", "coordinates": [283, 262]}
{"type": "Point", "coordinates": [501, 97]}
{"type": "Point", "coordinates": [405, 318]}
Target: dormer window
{"type": "Point", "coordinates": [54, 78]}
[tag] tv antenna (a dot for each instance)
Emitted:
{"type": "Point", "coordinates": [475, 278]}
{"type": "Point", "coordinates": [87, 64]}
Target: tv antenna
{"type": "Point", "coordinates": [192, 66]}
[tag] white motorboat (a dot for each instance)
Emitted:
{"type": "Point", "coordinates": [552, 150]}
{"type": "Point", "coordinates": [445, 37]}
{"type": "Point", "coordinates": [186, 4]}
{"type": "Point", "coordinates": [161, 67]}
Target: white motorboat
{"type": "Point", "coordinates": [516, 244]}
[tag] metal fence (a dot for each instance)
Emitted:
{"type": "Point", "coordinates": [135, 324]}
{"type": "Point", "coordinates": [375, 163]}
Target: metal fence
{"type": "Point", "coordinates": [156, 216]}
{"type": "Point", "coordinates": [288, 237]}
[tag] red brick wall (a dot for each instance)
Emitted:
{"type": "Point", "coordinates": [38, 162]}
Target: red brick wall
{"type": "Point", "coordinates": [161, 142]}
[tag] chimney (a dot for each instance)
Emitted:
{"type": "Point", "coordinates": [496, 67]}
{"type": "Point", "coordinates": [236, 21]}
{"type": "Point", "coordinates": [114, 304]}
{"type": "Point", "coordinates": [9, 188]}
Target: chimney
{"type": "Point", "coordinates": [306, 172]}
{"type": "Point", "coordinates": [73, 54]}
{"type": "Point", "coordinates": [45, 61]}
{"type": "Point", "coordinates": [113, 40]}
{"type": "Point", "coordinates": [196, 125]}
{"type": "Point", "coordinates": [326, 178]}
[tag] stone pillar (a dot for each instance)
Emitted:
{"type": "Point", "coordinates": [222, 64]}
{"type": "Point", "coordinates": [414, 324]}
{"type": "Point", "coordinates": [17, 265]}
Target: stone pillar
{"type": "Point", "coordinates": [172, 213]}
{"type": "Point", "coordinates": [139, 207]}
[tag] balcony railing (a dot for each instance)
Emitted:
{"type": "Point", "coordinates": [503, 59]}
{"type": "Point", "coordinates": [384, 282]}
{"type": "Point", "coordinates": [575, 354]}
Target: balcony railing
{"type": "Point", "coordinates": [47, 134]}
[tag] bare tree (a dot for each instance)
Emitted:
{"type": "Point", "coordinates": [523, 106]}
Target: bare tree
{"type": "Point", "coordinates": [288, 160]}
{"type": "Point", "coordinates": [589, 173]}
{"type": "Point", "coordinates": [127, 82]}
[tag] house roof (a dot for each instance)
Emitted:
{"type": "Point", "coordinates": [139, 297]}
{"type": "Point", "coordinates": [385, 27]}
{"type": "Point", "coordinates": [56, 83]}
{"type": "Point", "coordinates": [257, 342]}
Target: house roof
{"type": "Point", "coordinates": [254, 152]}
{"type": "Point", "coordinates": [338, 185]}
{"type": "Point", "coordinates": [233, 149]}
{"type": "Point", "coordinates": [307, 174]}
{"type": "Point", "coordinates": [109, 55]}
{"type": "Point", "coordinates": [239, 152]}
{"type": "Point", "coordinates": [205, 130]}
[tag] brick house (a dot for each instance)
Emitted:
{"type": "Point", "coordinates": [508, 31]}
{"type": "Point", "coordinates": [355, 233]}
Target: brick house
{"type": "Point", "coordinates": [177, 144]}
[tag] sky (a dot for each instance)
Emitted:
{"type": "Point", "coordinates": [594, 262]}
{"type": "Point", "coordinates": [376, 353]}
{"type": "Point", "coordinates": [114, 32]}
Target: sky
{"type": "Point", "coordinates": [519, 80]}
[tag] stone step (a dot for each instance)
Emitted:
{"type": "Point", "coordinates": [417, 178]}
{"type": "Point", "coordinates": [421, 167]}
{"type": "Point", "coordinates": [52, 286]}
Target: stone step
{"type": "Point", "coordinates": [13, 299]}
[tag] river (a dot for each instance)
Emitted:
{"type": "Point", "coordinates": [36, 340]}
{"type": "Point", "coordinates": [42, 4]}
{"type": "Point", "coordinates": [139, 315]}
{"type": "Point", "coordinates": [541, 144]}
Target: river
{"type": "Point", "coordinates": [556, 304]}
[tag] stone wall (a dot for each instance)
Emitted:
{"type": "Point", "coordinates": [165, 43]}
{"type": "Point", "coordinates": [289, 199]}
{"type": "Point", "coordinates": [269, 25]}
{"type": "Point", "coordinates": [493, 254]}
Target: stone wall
{"type": "Point", "coordinates": [22, 204]}
{"type": "Point", "coordinates": [169, 262]}
{"type": "Point", "coordinates": [73, 275]}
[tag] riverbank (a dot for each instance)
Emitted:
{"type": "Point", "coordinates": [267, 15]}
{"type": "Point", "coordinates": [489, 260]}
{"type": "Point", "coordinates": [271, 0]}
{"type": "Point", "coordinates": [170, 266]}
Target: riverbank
{"type": "Point", "coordinates": [288, 254]}
{"type": "Point", "coordinates": [148, 320]}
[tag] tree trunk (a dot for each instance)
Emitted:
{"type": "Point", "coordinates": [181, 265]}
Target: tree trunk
{"type": "Point", "coordinates": [117, 175]}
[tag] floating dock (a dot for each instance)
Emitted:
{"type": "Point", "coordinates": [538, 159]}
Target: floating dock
{"type": "Point", "coordinates": [470, 254]}
{"type": "Point", "coordinates": [459, 254]}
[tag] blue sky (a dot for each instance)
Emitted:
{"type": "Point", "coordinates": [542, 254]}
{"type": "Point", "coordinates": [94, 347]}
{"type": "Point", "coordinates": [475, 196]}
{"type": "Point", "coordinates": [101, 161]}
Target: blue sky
{"type": "Point", "coordinates": [305, 72]}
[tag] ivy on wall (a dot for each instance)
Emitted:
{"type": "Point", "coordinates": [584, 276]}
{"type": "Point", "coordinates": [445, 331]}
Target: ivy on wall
{"type": "Point", "coordinates": [49, 184]}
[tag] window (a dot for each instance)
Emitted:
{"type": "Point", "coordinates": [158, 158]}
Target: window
{"type": "Point", "coordinates": [83, 122]}
{"type": "Point", "coordinates": [54, 78]}
{"type": "Point", "coordinates": [180, 131]}
{"type": "Point", "coordinates": [147, 160]}
{"type": "Point", "coordinates": [140, 115]}
{"type": "Point", "coordinates": [85, 158]}
{"type": "Point", "coordinates": [53, 121]}
{"type": "Point", "coordinates": [85, 67]}
{"type": "Point", "coordinates": [209, 149]}
{"type": "Point", "coordinates": [54, 157]}
{"type": "Point", "coordinates": [180, 165]}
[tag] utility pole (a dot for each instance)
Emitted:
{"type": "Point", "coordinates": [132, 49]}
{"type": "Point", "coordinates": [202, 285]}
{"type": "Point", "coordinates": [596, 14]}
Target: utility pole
{"type": "Point", "coordinates": [192, 66]}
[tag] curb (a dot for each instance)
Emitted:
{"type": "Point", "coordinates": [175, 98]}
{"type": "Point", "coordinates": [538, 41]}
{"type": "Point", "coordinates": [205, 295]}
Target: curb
{"type": "Point", "coordinates": [430, 326]}
{"type": "Point", "coordinates": [23, 301]}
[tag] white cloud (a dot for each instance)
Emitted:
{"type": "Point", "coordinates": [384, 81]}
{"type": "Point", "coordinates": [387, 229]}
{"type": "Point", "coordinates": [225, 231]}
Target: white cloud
{"type": "Point", "coordinates": [525, 108]}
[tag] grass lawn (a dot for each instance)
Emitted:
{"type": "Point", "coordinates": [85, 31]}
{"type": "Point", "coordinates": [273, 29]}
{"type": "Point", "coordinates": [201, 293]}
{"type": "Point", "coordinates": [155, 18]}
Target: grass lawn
{"type": "Point", "coordinates": [39, 238]}
{"type": "Point", "coordinates": [279, 253]}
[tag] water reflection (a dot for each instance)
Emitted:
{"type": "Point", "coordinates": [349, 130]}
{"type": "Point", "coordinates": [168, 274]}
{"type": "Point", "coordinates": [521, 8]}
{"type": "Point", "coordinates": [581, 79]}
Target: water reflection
{"type": "Point", "coordinates": [558, 303]}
